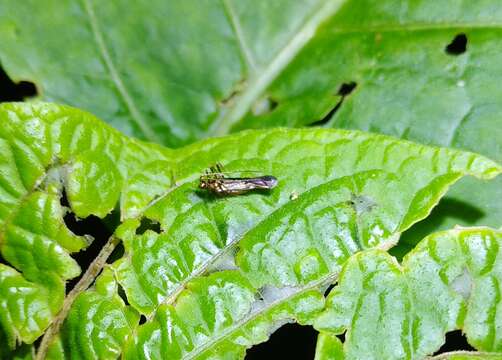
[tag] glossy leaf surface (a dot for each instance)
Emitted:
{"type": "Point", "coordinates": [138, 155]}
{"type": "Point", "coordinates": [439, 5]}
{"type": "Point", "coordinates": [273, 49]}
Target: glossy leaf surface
{"type": "Point", "coordinates": [98, 324]}
{"type": "Point", "coordinates": [167, 71]}
{"type": "Point", "coordinates": [198, 230]}
{"type": "Point", "coordinates": [418, 70]}
{"type": "Point", "coordinates": [449, 281]}
{"type": "Point", "coordinates": [43, 149]}
{"type": "Point", "coordinates": [339, 192]}
{"type": "Point", "coordinates": [422, 71]}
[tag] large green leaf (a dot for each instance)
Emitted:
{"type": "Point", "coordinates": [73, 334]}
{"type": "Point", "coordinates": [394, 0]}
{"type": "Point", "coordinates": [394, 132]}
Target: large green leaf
{"type": "Point", "coordinates": [43, 148]}
{"type": "Point", "coordinates": [220, 70]}
{"type": "Point", "coordinates": [408, 85]}
{"type": "Point", "coordinates": [339, 192]}
{"type": "Point", "coordinates": [342, 178]}
{"type": "Point", "coordinates": [213, 64]}
{"type": "Point", "coordinates": [104, 320]}
{"type": "Point", "coordinates": [451, 280]}
{"type": "Point", "coordinates": [166, 71]}
{"type": "Point", "coordinates": [467, 355]}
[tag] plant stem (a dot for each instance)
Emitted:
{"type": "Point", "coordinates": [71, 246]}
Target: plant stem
{"type": "Point", "coordinates": [87, 279]}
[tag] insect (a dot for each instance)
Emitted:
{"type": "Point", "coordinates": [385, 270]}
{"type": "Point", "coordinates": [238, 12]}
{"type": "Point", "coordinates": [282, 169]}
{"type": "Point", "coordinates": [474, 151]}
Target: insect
{"type": "Point", "coordinates": [216, 182]}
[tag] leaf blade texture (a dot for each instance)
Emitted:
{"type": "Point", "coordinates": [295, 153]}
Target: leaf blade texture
{"type": "Point", "coordinates": [407, 83]}
{"type": "Point", "coordinates": [340, 179]}
{"type": "Point", "coordinates": [173, 96]}
{"type": "Point", "coordinates": [449, 281]}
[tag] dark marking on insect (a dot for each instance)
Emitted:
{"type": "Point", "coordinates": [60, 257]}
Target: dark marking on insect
{"type": "Point", "coordinates": [216, 182]}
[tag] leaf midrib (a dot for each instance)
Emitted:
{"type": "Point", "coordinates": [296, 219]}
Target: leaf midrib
{"type": "Point", "coordinates": [317, 284]}
{"type": "Point", "coordinates": [136, 115]}
{"type": "Point", "coordinates": [260, 82]}
{"type": "Point", "coordinates": [236, 25]}
{"type": "Point", "coordinates": [416, 27]}
{"type": "Point", "coordinates": [228, 247]}
{"type": "Point", "coordinates": [323, 281]}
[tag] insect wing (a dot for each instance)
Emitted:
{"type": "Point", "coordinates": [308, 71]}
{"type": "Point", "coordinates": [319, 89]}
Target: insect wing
{"type": "Point", "coordinates": [242, 185]}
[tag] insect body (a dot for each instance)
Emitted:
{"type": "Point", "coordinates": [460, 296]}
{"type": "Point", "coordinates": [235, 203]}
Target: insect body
{"type": "Point", "coordinates": [215, 181]}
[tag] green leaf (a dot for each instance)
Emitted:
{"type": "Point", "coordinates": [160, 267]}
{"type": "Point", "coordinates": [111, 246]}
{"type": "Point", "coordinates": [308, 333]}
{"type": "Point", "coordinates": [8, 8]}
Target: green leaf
{"type": "Point", "coordinates": [219, 317]}
{"type": "Point", "coordinates": [339, 192]}
{"type": "Point", "coordinates": [166, 71]}
{"type": "Point", "coordinates": [329, 347]}
{"type": "Point", "coordinates": [408, 86]}
{"type": "Point", "coordinates": [240, 77]}
{"type": "Point", "coordinates": [18, 296]}
{"type": "Point", "coordinates": [391, 311]}
{"type": "Point", "coordinates": [467, 355]}
{"type": "Point", "coordinates": [45, 147]}
{"type": "Point", "coordinates": [36, 242]}
{"type": "Point", "coordinates": [198, 231]}
{"type": "Point", "coordinates": [98, 325]}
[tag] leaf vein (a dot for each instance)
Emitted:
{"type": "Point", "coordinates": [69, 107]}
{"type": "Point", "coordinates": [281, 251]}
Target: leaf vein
{"type": "Point", "coordinates": [136, 115]}
{"type": "Point", "coordinates": [260, 82]}
{"type": "Point", "coordinates": [417, 27]}
{"type": "Point", "coordinates": [236, 25]}
{"type": "Point", "coordinates": [253, 315]}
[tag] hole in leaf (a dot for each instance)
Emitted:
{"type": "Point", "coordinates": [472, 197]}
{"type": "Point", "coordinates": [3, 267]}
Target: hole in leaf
{"type": "Point", "coordinates": [148, 224]}
{"type": "Point", "coordinates": [235, 92]}
{"type": "Point", "coordinates": [116, 254]}
{"type": "Point", "coordinates": [328, 289]}
{"type": "Point", "coordinates": [342, 337]}
{"type": "Point", "coordinates": [344, 90]}
{"type": "Point", "coordinates": [122, 294]}
{"type": "Point", "coordinates": [264, 106]}
{"type": "Point", "coordinates": [448, 208]}
{"type": "Point", "coordinates": [328, 116]}
{"type": "Point", "coordinates": [142, 319]}
{"type": "Point", "coordinates": [2, 260]}
{"type": "Point", "coordinates": [99, 230]}
{"type": "Point", "coordinates": [36, 344]}
{"type": "Point", "coordinates": [273, 104]}
{"type": "Point", "coordinates": [292, 341]}
{"type": "Point", "coordinates": [11, 91]}
{"type": "Point", "coordinates": [455, 341]}
{"type": "Point", "coordinates": [458, 45]}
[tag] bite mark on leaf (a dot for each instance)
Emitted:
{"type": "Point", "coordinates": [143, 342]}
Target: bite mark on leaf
{"type": "Point", "coordinates": [344, 90]}
{"type": "Point", "coordinates": [264, 106]}
{"type": "Point", "coordinates": [15, 91]}
{"type": "Point", "coordinates": [148, 224]}
{"type": "Point", "coordinates": [454, 341]}
{"type": "Point", "coordinates": [457, 46]}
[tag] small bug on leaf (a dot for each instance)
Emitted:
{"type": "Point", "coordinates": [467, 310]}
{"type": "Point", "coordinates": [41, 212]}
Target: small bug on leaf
{"type": "Point", "coordinates": [216, 182]}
